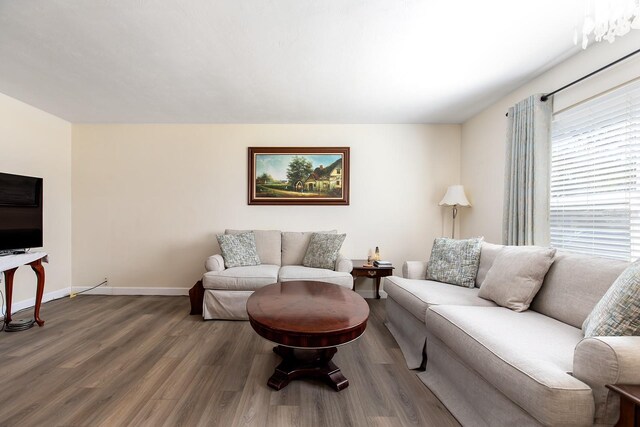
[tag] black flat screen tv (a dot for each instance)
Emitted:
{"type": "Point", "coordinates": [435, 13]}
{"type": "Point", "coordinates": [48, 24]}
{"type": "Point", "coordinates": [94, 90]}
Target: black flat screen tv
{"type": "Point", "coordinates": [20, 212]}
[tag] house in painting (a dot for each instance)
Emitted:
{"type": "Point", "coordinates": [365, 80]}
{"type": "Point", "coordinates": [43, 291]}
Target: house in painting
{"type": "Point", "coordinates": [325, 179]}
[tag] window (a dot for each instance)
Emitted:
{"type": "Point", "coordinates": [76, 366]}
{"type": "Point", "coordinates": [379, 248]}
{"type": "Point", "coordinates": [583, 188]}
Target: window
{"type": "Point", "coordinates": [595, 176]}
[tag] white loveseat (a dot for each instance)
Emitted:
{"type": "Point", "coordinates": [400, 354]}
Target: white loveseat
{"type": "Point", "coordinates": [226, 290]}
{"type": "Point", "coordinates": [493, 366]}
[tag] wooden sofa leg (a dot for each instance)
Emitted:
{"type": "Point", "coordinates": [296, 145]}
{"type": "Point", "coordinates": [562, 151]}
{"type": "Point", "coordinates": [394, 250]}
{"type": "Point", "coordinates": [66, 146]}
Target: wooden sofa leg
{"type": "Point", "coordinates": [196, 295]}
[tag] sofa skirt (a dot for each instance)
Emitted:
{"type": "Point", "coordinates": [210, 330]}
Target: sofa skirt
{"type": "Point", "coordinates": [225, 305]}
{"type": "Point", "coordinates": [409, 333]}
{"type": "Point", "coordinates": [471, 399]}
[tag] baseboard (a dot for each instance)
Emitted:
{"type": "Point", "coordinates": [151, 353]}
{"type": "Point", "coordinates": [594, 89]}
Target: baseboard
{"type": "Point", "coordinates": [28, 303]}
{"type": "Point", "coordinates": [110, 290]}
{"type": "Point", "coordinates": [140, 290]}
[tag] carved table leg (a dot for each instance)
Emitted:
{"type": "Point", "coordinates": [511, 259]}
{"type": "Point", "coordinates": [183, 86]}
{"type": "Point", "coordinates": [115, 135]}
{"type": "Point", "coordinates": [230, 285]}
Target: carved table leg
{"type": "Point", "coordinates": [299, 363]}
{"type": "Point", "coordinates": [8, 290]}
{"type": "Point", "coordinates": [39, 270]}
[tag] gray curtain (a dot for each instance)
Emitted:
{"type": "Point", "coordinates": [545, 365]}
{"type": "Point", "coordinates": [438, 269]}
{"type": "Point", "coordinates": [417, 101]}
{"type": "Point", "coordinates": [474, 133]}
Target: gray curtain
{"type": "Point", "coordinates": [527, 173]}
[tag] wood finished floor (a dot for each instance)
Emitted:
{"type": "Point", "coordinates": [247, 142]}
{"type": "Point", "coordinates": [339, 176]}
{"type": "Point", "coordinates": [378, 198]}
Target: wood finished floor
{"type": "Point", "coordinates": [142, 360]}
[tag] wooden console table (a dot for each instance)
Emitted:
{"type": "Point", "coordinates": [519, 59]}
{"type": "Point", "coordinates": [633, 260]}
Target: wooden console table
{"type": "Point", "coordinates": [9, 264]}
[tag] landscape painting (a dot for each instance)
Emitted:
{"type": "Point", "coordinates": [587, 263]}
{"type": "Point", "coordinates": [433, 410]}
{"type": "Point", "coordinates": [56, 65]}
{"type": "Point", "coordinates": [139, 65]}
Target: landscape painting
{"type": "Point", "coordinates": [298, 175]}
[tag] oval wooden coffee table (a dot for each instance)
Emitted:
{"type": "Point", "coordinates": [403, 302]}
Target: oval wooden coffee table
{"type": "Point", "coordinates": [307, 320]}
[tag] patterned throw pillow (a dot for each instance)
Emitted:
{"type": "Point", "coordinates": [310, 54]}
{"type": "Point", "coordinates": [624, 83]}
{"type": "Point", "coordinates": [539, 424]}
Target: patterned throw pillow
{"type": "Point", "coordinates": [238, 250]}
{"type": "Point", "coordinates": [323, 250]}
{"type": "Point", "coordinates": [618, 312]}
{"type": "Point", "coordinates": [455, 261]}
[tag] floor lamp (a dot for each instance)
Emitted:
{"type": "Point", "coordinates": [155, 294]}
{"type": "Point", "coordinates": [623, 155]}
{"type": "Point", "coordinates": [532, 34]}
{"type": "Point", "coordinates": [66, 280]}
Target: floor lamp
{"type": "Point", "coordinates": [455, 197]}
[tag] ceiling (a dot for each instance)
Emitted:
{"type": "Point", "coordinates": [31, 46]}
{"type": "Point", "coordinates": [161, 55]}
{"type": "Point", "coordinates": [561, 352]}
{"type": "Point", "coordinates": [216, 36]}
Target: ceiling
{"type": "Point", "coordinates": [276, 61]}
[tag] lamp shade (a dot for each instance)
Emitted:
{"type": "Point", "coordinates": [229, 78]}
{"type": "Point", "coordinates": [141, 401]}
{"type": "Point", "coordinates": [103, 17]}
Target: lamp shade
{"type": "Point", "coordinates": [455, 197]}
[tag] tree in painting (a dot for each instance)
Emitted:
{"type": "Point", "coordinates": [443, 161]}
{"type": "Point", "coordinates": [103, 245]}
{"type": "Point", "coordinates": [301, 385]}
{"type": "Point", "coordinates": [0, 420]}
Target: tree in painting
{"type": "Point", "coordinates": [298, 171]}
{"type": "Point", "coordinates": [265, 178]}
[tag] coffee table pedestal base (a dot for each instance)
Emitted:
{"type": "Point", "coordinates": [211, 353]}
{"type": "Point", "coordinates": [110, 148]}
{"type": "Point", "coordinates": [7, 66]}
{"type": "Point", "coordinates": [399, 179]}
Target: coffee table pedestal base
{"type": "Point", "coordinates": [298, 363]}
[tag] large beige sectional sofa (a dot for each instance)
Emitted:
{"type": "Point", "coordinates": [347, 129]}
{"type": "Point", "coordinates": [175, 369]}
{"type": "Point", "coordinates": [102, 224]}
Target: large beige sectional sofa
{"type": "Point", "coordinates": [226, 290]}
{"type": "Point", "coordinates": [493, 366]}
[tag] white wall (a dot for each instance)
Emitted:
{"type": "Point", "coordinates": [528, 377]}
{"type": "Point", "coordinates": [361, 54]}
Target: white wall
{"type": "Point", "coordinates": [36, 143]}
{"type": "Point", "coordinates": [149, 199]}
{"type": "Point", "coordinates": [483, 136]}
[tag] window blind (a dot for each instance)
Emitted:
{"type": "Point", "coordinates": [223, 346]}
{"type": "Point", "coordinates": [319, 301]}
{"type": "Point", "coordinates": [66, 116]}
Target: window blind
{"type": "Point", "coordinates": [595, 176]}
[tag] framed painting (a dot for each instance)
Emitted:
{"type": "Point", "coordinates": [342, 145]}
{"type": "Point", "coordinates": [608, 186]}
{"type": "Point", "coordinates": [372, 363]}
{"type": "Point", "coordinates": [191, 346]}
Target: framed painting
{"type": "Point", "coordinates": [298, 175]}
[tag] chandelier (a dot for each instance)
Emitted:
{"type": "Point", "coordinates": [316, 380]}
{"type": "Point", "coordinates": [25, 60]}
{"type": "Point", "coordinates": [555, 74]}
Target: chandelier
{"type": "Point", "coordinates": [608, 19]}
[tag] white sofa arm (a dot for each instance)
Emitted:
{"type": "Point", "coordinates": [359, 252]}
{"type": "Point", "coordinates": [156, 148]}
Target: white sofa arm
{"type": "Point", "coordinates": [214, 263]}
{"type": "Point", "coordinates": [343, 264]}
{"type": "Point", "coordinates": [599, 361]}
{"type": "Point", "coordinates": [414, 270]}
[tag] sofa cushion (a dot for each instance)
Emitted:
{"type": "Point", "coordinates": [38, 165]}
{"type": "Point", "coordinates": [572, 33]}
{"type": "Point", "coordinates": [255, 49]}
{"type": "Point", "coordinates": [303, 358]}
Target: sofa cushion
{"type": "Point", "coordinates": [526, 356]}
{"type": "Point", "coordinates": [295, 244]}
{"type": "Point", "coordinates": [454, 261]}
{"type": "Point", "coordinates": [618, 312]}
{"type": "Point", "coordinates": [238, 250]}
{"type": "Point", "coordinates": [574, 285]}
{"type": "Point", "coordinates": [297, 272]}
{"type": "Point", "coordinates": [417, 295]}
{"type": "Point", "coordinates": [241, 278]}
{"type": "Point", "coordinates": [323, 250]}
{"type": "Point", "coordinates": [488, 254]}
{"type": "Point", "coordinates": [268, 244]}
{"type": "Point", "coordinates": [516, 276]}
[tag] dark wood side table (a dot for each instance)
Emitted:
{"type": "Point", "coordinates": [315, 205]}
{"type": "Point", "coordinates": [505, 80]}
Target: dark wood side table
{"type": "Point", "coordinates": [629, 404]}
{"type": "Point", "coordinates": [371, 272]}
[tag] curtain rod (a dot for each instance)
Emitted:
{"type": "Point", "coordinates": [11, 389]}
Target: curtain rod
{"type": "Point", "coordinates": [593, 73]}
